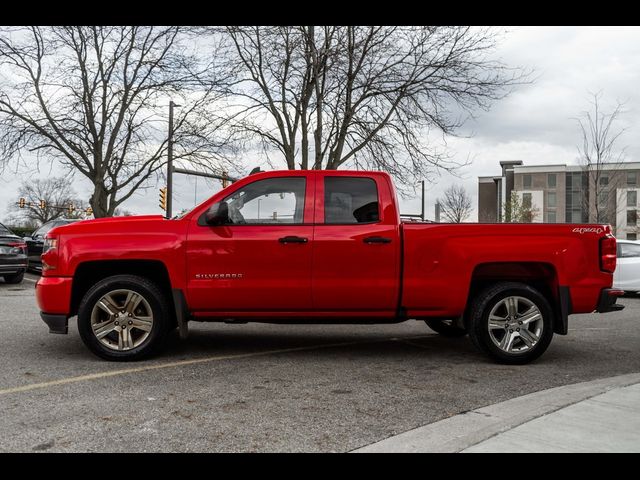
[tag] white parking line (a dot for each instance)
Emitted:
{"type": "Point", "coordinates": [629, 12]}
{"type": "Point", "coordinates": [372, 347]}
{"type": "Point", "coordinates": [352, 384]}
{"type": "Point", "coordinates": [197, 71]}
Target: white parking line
{"type": "Point", "coordinates": [124, 371]}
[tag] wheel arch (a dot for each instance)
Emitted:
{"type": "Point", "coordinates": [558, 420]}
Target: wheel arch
{"type": "Point", "coordinates": [540, 275]}
{"type": "Point", "coordinates": [89, 273]}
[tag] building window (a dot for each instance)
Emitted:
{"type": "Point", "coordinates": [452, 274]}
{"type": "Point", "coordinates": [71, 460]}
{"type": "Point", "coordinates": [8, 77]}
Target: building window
{"type": "Point", "coordinates": [632, 178]}
{"type": "Point", "coordinates": [632, 236]}
{"type": "Point", "coordinates": [575, 211]}
{"type": "Point", "coordinates": [551, 199]}
{"type": "Point", "coordinates": [604, 179]}
{"type": "Point", "coordinates": [526, 200]}
{"type": "Point", "coordinates": [551, 180]}
{"type": "Point", "coordinates": [603, 197]}
{"type": "Point", "coordinates": [526, 180]}
{"type": "Point", "coordinates": [632, 218]}
{"type": "Point", "coordinates": [551, 217]}
{"type": "Point", "coordinates": [632, 198]}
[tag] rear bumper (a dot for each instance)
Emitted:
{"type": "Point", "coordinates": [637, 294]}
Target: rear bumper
{"type": "Point", "coordinates": [12, 265]}
{"type": "Point", "coordinates": [607, 300]}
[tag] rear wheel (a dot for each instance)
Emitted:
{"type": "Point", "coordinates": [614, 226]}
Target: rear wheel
{"type": "Point", "coordinates": [15, 278]}
{"type": "Point", "coordinates": [511, 322]}
{"type": "Point", "coordinates": [124, 317]}
{"type": "Point", "coordinates": [446, 328]}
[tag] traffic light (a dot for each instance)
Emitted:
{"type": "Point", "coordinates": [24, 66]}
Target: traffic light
{"type": "Point", "coordinates": [225, 180]}
{"type": "Point", "coordinates": [71, 209]}
{"type": "Point", "coordinates": [22, 202]}
{"type": "Point", "coordinates": [43, 204]}
{"type": "Point", "coordinates": [163, 198]}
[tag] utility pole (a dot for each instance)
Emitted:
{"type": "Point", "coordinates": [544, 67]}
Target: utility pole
{"type": "Point", "coordinates": [169, 212]}
{"type": "Point", "coordinates": [422, 204]}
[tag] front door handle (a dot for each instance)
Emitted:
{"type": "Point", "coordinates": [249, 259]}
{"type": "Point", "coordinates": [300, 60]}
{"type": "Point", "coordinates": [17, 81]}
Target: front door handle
{"type": "Point", "coordinates": [293, 239]}
{"type": "Point", "coordinates": [377, 240]}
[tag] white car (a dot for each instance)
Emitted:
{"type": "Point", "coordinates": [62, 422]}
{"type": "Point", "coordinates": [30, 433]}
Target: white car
{"type": "Point", "coordinates": [627, 274]}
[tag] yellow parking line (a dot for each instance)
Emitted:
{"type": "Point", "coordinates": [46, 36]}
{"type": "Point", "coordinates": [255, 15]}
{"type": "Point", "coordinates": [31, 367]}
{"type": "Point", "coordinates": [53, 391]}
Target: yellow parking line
{"type": "Point", "coordinates": [124, 371]}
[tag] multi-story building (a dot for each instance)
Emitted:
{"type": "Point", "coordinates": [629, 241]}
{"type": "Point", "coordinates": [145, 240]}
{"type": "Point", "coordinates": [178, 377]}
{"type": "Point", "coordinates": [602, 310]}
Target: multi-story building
{"type": "Point", "coordinates": [566, 194]}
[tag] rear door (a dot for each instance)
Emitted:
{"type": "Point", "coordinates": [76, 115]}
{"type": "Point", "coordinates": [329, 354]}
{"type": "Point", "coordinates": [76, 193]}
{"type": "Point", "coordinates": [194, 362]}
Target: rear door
{"type": "Point", "coordinates": [356, 251]}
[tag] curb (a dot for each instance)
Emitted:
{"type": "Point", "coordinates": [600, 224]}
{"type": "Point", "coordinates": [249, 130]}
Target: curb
{"type": "Point", "coordinates": [462, 431]}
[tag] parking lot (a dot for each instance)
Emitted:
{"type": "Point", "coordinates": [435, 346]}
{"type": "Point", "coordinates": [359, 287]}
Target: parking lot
{"type": "Point", "coordinates": [261, 387]}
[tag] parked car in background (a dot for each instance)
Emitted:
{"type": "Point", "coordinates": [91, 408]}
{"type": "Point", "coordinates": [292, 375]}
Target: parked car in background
{"type": "Point", "coordinates": [13, 256]}
{"type": "Point", "coordinates": [627, 274]}
{"type": "Point", "coordinates": [36, 241]}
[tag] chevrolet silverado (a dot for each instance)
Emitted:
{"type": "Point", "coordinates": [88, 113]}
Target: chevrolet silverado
{"type": "Point", "coordinates": [321, 246]}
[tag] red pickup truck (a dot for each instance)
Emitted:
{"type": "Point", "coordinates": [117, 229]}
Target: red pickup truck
{"type": "Point", "coordinates": [321, 246]}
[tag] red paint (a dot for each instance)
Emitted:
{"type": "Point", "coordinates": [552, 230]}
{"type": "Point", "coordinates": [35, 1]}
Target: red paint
{"type": "Point", "coordinates": [53, 294]}
{"type": "Point", "coordinates": [426, 269]}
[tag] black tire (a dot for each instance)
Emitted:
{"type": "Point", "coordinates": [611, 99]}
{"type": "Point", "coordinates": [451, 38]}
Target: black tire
{"type": "Point", "coordinates": [478, 322]}
{"type": "Point", "coordinates": [446, 329]}
{"type": "Point", "coordinates": [15, 278]}
{"type": "Point", "coordinates": [162, 318]}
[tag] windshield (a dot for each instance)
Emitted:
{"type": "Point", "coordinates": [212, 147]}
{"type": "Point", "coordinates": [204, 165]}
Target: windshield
{"type": "Point", "coordinates": [44, 229]}
{"type": "Point", "coordinates": [4, 230]}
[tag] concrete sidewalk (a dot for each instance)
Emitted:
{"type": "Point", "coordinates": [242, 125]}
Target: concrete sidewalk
{"type": "Point", "coordinates": [598, 416]}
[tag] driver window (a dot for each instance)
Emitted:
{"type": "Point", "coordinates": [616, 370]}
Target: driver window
{"type": "Point", "coordinates": [269, 201]}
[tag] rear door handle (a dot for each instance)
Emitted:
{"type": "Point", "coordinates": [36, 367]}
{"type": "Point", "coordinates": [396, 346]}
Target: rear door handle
{"type": "Point", "coordinates": [293, 239]}
{"type": "Point", "coordinates": [377, 240]}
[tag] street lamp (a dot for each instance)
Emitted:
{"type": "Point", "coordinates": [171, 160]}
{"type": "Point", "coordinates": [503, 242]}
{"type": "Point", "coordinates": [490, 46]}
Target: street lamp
{"type": "Point", "coordinates": [170, 161]}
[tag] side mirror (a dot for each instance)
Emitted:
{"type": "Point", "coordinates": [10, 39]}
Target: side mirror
{"type": "Point", "coordinates": [218, 214]}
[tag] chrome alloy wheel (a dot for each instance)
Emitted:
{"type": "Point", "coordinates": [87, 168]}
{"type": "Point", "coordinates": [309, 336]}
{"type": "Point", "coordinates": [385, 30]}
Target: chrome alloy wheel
{"type": "Point", "coordinates": [515, 324]}
{"type": "Point", "coordinates": [122, 319]}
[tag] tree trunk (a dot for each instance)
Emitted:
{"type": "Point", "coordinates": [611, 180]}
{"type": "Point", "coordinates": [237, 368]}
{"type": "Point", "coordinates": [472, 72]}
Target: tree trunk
{"type": "Point", "coordinates": [99, 200]}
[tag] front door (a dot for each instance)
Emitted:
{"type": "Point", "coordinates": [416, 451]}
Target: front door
{"type": "Point", "coordinates": [261, 259]}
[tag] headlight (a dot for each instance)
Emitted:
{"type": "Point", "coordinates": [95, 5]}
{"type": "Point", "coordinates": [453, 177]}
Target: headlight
{"type": "Point", "coordinates": [50, 243]}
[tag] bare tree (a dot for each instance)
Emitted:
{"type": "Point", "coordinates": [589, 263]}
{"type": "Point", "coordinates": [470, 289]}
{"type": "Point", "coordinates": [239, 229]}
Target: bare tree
{"type": "Point", "coordinates": [601, 159]}
{"type": "Point", "coordinates": [57, 195]}
{"type": "Point", "coordinates": [367, 97]}
{"type": "Point", "coordinates": [455, 206]}
{"type": "Point", "coordinates": [94, 99]}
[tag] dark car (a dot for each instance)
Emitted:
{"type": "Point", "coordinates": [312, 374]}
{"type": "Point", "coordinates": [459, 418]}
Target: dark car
{"type": "Point", "coordinates": [36, 241]}
{"type": "Point", "coordinates": [13, 256]}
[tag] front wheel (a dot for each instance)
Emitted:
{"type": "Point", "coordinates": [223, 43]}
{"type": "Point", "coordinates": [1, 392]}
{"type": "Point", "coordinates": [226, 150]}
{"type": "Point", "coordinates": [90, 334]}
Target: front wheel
{"type": "Point", "coordinates": [124, 317]}
{"type": "Point", "coordinates": [511, 322]}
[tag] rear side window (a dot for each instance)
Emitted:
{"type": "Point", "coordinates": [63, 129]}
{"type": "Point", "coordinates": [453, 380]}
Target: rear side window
{"type": "Point", "coordinates": [629, 250]}
{"type": "Point", "coordinates": [350, 200]}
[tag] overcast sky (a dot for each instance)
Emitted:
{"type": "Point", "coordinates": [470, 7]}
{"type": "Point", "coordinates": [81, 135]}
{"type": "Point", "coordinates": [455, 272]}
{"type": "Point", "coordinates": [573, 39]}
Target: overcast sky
{"type": "Point", "coordinates": [535, 124]}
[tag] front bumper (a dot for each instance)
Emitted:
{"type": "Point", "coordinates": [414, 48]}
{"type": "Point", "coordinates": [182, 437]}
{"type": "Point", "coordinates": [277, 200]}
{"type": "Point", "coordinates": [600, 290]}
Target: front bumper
{"type": "Point", "coordinates": [53, 294]}
{"type": "Point", "coordinates": [607, 300]}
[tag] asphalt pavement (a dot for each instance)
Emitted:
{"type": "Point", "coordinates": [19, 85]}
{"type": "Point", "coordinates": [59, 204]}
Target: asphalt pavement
{"type": "Point", "coordinates": [262, 387]}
